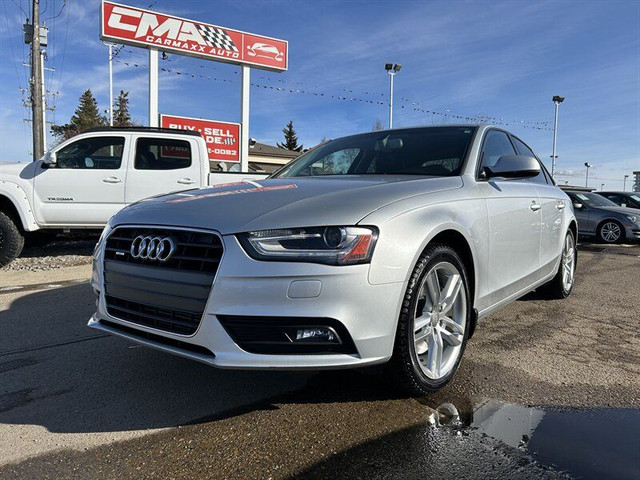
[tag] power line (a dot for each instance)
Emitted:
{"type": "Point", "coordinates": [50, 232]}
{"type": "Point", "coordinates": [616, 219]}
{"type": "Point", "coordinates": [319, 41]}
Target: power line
{"type": "Point", "coordinates": [15, 65]}
{"type": "Point", "coordinates": [468, 118]}
{"type": "Point", "coordinates": [20, 7]}
{"type": "Point", "coordinates": [64, 51]}
{"type": "Point", "coordinates": [58, 14]}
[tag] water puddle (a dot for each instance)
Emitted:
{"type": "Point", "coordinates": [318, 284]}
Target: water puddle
{"type": "Point", "coordinates": [585, 443]}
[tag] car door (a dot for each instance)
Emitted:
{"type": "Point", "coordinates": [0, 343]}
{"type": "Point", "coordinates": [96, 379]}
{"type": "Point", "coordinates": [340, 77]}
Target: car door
{"type": "Point", "coordinates": [514, 220]}
{"type": "Point", "coordinates": [581, 211]}
{"type": "Point", "coordinates": [163, 165]}
{"type": "Point", "coordinates": [86, 184]}
{"type": "Point", "coordinates": [552, 205]}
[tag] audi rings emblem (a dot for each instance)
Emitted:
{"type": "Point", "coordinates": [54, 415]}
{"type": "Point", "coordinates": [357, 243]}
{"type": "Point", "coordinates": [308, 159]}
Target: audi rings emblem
{"type": "Point", "coordinates": [146, 247]}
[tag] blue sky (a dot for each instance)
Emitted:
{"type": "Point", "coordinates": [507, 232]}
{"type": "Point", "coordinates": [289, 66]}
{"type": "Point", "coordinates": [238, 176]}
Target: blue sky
{"type": "Point", "coordinates": [499, 59]}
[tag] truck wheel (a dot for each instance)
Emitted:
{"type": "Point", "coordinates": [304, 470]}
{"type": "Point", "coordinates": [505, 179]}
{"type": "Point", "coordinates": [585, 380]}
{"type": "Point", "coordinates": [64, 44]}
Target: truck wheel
{"type": "Point", "coordinates": [11, 240]}
{"type": "Point", "coordinates": [434, 323]}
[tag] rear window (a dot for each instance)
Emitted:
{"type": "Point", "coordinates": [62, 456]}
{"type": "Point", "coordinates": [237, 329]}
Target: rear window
{"type": "Point", "coordinates": [435, 151]}
{"type": "Point", "coordinates": [162, 154]}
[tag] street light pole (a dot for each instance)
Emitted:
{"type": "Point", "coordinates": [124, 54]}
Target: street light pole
{"type": "Point", "coordinates": [588, 165]}
{"type": "Point", "coordinates": [391, 75]}
{"type": "Point", "coordinates": [601, 186]}
{"type": "Point", "coordinates": [557, 100]}
{"type": "Point", "coordinates": [624, 184]}
{"type": "Point", "coordinates": [392, 69]}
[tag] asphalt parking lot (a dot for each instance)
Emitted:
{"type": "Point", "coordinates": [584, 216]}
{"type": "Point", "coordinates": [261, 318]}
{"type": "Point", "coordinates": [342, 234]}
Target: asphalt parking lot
{"type": "Point", "coordinates": [76, 404]}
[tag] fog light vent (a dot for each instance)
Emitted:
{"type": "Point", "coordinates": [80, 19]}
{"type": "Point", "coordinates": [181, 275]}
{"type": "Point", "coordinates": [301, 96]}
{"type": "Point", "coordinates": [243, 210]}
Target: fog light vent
{"type": "Point", "coordinates": [317, 334]}
{"type": "Point", "coordinates": [288, 335]}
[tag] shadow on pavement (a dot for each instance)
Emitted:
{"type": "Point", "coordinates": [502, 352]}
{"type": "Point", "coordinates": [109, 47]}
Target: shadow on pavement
{"type": "Point", "coordinates": [56, 372]}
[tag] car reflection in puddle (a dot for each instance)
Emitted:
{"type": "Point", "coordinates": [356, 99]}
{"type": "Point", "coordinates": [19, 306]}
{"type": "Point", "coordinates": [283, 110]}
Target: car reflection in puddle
{"type": "Point", "coordinates": [593, 443]}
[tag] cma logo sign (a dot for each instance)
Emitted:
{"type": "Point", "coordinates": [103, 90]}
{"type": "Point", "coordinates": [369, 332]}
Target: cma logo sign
{"type": "Point", "coordinates": [144, 24]}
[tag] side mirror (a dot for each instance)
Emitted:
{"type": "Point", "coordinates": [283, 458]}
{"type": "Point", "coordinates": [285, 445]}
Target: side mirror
{"type": "Point", "coordinates": [577, 205]}
{"type": "Point", "coordinates": [49, 158]}
{"type": "Point", "coordinates": [513, 166]}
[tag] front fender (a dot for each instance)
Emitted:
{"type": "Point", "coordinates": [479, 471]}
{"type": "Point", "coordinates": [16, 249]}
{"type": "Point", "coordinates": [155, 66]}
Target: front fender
{"type": "Point", "coordinates": [404, 237]}
{"type": "Point", "coordinates": [18, 198]}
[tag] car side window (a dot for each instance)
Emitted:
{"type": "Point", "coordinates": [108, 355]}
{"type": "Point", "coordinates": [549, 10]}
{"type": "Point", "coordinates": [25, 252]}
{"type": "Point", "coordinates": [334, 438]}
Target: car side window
{"type": "Point", "coordinates": [617, 199]}
{"type": "Point", "coordinates": [97, 153]}
{"type": "Point", "coordinates": [496, 144]}
{"type": "Point", "coordinates": [522, 149]}
{"type": "Point", "coordinates": [162, 154]}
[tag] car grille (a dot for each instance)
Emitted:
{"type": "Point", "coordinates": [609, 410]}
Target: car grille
{"type": "Point", "coordinates": [166, 295]}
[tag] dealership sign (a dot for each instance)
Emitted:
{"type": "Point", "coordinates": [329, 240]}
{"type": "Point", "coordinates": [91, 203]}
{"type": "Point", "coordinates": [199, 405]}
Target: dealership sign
{"type": "Point", "coordinates": [144, 28]}
{"type": "Point", "coordinates": [222, 138]}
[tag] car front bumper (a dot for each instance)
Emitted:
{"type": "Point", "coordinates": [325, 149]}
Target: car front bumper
{"type": "Point", "coordinates": [244, 287]}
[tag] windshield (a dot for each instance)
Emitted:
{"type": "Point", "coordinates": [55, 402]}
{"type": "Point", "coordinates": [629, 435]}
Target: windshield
{"type": "Point", "coordinates": [432, 151]}
{"type": "Point", "coordinates": [635, 197]}
{"type": "Point", "coordinates": [594, 200]}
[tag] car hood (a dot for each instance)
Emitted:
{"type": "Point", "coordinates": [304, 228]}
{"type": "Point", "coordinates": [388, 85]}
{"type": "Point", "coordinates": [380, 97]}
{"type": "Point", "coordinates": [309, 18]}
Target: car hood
{"type": "Point", "coordinates": [623, 210]}
{"type": "Point", "coordinates": [281, 203]}
{"type": "Point", "coordinates": [13, 169]}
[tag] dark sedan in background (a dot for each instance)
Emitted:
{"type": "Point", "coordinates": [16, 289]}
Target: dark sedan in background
{"type": "Point", "coordinates": [623, 199]}
{"type": "Point", "coordinates": [601, 218]}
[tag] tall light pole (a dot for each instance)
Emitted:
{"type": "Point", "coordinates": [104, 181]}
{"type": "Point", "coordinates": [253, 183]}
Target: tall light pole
{"type": "Point", "coordinates": [588, 165]}
{"type": "Point", "coordinates": [557, 100]}
{"type": "Point", "coordinates": [392, 69]}
{"type": "Point", "coordinates": [601, 186]}
{"type": "Point", "coordinates": [110, 47]}
{"type": "Point", "coordinates": [624, 184]}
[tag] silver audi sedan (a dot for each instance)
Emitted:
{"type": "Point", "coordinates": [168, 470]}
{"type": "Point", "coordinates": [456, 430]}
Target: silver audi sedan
{"type": "Point", "coordinates": [385, 247]}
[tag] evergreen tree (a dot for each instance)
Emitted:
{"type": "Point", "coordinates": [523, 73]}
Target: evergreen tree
{"type": "Point", "coordinates": [377, 126]}
{"type": "Point", "coordinates": [290, 138]}
{"type": "Point", "coordinates": [121, 115]}
{"type": "Point", "coordinates": [85, 117]}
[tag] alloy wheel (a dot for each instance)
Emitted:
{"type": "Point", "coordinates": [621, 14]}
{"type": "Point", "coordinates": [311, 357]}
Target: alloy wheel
{"type": "Point", "coordinates": [568, 263]}
{"type": "Point", "coordinates": [610, 232]}
{"type": "Point", "coordinates": [440, 320]}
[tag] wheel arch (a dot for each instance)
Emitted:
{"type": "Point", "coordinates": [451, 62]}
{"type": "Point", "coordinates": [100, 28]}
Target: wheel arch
{"type": "Point", "coordinates": [456, 240]}
{"type": "Point", "coordinates": [611, 219]}
{"type": "Point", "coordinates": [14, 202]}
{"type": "Point", "coordinates": [573, 226]}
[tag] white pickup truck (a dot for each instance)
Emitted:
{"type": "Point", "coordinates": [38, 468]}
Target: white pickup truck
{"type": "Point", "coordinates": [83, 181]}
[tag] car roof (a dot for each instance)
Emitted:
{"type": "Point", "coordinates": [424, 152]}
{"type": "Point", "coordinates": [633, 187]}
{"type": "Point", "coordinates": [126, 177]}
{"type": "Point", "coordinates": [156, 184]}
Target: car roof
{"type": "Point", "coordinates": [173, 131]}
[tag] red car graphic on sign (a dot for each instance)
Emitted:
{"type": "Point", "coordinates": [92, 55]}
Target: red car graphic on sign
{"type": "Point", "coordinates": [265, 50]}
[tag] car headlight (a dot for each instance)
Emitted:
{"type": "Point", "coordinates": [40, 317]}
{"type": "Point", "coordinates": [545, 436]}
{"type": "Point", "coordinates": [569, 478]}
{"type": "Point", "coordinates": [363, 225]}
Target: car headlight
{"type": "Point", "coordinates": [329, 245]}
{"type": "Point", "coordinates": [633, 218]}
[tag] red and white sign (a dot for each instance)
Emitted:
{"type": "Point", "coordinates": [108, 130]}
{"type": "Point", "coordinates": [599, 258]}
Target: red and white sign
{"type": "Point", "coordinates": [144, 28]}
{"type": "Point", "coordinates": [222, 138]}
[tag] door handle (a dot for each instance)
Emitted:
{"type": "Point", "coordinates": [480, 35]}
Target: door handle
{"type": "Point", "coordinates": [111, 180]}
{"type": "Point", "coordinates": [535, 206]}
{"type": "Point", "coordinates": [560, 205]}
{"type": "Point", "coordinates": [186, 181]}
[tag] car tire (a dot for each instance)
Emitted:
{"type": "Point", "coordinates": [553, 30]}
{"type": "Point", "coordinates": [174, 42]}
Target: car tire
{"type": "Point", "coordinates": [11, 240]}
{"type": "Point", "coordinates": [414, 364]}
{"type": "Point", "coordinates": [562, 283]}
{"type": "Point", "coordinates": [611, 231]}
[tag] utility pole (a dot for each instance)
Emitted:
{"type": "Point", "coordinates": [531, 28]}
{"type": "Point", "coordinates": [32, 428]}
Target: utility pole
{"type": "Point", "coordinates": [37, 86]}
